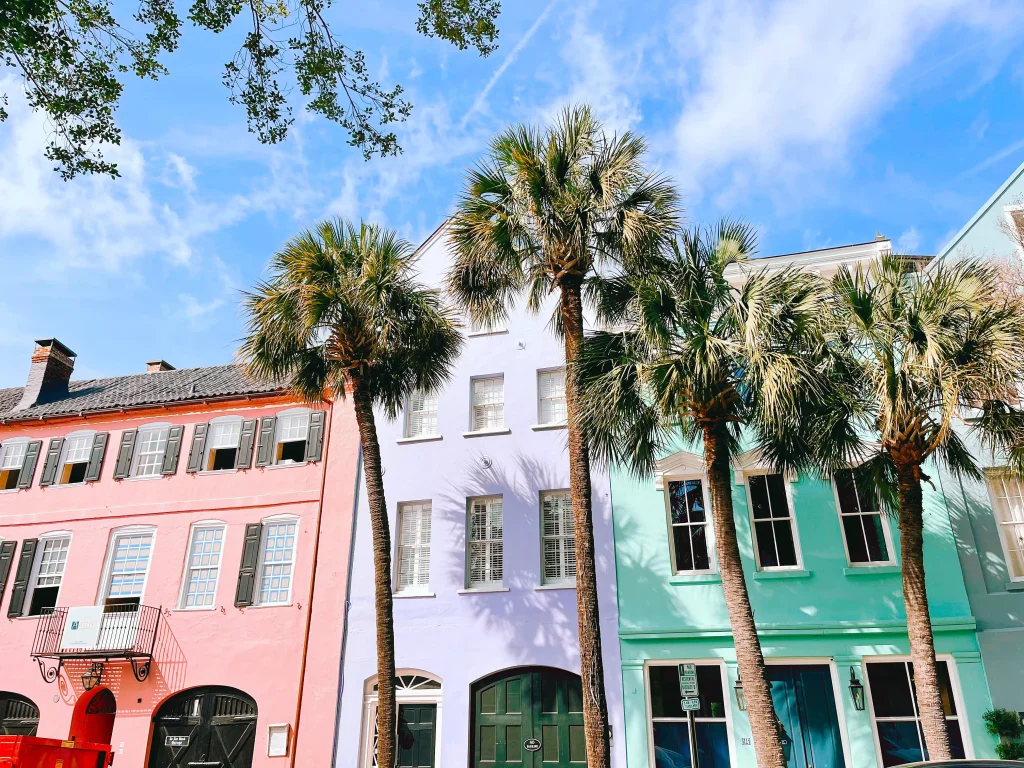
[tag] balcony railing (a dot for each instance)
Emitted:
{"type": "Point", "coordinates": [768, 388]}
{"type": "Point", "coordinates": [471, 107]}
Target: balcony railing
{"type": "Point", "coordinates": [98, 633]}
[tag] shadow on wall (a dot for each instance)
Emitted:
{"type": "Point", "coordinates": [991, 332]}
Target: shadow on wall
{"type": "Point", "coordinates": [971, 513]}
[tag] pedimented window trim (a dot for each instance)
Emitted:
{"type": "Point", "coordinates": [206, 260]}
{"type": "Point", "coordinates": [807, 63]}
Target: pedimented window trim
{"type": "Point", "coordinates": [682, 465]}
{"type": "Point", "coordinates": [752, 462]}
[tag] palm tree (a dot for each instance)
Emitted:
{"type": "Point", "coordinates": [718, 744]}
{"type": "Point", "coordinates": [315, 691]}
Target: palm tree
{"type": "Point", "coordinates": [342, 313]}
{"type": "Point", "coordinates": [546, 210]}
{"type": "Point", "coordinates": [921, 354]}
{"type": "Point", "coordinates": [695, 357]}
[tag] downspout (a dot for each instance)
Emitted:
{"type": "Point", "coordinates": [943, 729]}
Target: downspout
{"type": "Point", "coordinates": [312, 586]}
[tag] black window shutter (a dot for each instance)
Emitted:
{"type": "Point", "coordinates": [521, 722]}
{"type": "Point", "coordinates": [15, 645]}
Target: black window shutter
{"type": "Point", "coordinates": [195, 454]}
{"type": "Point", "coordinates": [125, 452]}
{"type": "Point", "coordinates": [49, 475]}
{"type": "Point", "coordinates": [99, 450]}
{"type": "Point", "coordinates": [28, 469]}
{"type": "Point", "coordinates": [174, 436]}
{"type": "Point", "coordinates": [245, 592]}
{"type": "Point", "coordinates": [243, 459]}
{"type": "Point", "coordinates": [265, 451]}
{"type": "Point", "coordinates": [6, 558]}
{"type": "Point", "coordinates": [28, 555]}
{"type": "Point", "coordinates": [315, 439]}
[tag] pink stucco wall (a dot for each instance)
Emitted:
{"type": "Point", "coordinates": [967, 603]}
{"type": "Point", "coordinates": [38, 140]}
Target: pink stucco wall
{"type": "Point", "coordinates": [259, 650]}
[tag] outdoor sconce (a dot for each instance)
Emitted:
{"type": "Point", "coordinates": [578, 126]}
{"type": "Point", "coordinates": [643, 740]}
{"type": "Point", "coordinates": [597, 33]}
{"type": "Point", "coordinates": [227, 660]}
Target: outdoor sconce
{"type": "Point", "coordinates": [856, 691]}
{"type": "Point", "coordinates": [92, 678]}
{"type": "Point", "coordinates": [741, 699]}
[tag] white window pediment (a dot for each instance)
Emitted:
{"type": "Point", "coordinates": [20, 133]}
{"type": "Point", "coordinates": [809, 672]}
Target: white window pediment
{"type": "Point", "coordinates": [678, 466]}
{"type": "Point", "coordinates": [753, 462]}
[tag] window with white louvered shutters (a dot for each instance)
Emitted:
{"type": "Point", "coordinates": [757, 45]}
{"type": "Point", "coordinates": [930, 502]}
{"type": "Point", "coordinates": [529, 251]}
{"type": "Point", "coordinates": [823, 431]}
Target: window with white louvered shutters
{"type": "Point", "coordinates": [557, 532]}
{"type": "Point", "coordinates": [421, 415]}
{"type": "Point", "coordinates": [413, 547]}
{"type": "Point", "coordinates": [485, 542]}
{"type": "Point", "coordinates": [488, 403]}
{"type": "Point", "coordinates": [551, 397]}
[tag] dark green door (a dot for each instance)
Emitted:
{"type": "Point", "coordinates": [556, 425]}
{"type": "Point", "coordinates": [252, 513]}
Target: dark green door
{"type": "Point", "coordinates": [528, 718]}
{"type": "Point", "coordinates": [416, 729]}
{"type": "Point", "coordinates": [806, 706]}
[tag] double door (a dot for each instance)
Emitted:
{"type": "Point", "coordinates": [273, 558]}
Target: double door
{"type": "Point", "coordinates": [209, 727]}
{"type": "Point", "coordinates": [806, 706]}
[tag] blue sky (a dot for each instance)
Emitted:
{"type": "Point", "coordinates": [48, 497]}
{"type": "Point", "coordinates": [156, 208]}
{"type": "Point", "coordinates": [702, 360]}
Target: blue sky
{"type": "Point", "coordinates": [821, 122]}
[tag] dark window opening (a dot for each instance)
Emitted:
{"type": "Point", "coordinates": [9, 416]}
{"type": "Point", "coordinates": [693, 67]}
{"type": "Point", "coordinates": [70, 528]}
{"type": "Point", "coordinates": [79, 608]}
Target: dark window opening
{"type": "Point", "coordinates": [292, 452]}
{"type": "Point", "coordinates": [44, 600]}
{"type": "Point", "coordinates": [74, 473]}
{"type": "Point", "coordinates": [116, 602]}
{"type": "Point", "coordinates": [9, 479]}
{"type": "Point", "coordinates": [222, 458]}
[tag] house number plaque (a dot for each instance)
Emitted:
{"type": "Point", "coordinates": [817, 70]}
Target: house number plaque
{"type": "Point", "coordinates": [176, 741]}
{"type": "Point", "coordinates": [532, 745]}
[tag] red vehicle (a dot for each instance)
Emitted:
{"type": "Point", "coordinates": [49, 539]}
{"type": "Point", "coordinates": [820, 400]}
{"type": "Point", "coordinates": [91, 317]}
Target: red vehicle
{"type": "Point", "coordinates": [36, 752]}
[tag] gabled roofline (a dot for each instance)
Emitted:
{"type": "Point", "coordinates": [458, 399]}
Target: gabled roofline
{"type": "Point", "coordinates": [981, 212]}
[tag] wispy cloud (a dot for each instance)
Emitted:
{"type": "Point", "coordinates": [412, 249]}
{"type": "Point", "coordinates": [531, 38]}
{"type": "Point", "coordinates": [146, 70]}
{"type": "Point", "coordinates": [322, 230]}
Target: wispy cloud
{"type": "Point", "coordinates": [992, 159]}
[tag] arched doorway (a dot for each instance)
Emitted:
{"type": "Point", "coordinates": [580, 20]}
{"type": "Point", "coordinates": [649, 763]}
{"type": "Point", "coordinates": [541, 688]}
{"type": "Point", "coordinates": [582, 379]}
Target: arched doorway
{"type": "Point", "coordinates": [93, 718]}
{"type": "Point", "coordinates": [19, 716]}
{"type": "Point", "coordinates": [212, 725]}
{"type": "Point", "coordinates": [528, 717]}
{"type": "Point", "coordinates": [419, 719]}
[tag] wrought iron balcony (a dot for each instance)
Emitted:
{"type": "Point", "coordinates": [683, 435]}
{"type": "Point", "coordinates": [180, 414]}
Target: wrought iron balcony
{"type": "Point", "coordinates": [100, 633]}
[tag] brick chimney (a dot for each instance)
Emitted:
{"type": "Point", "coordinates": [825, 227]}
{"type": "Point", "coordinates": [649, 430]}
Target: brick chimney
{"type": "Point", "coordinates": [158, 366]}
{"type": "Point", "coordinates": [49, 374]}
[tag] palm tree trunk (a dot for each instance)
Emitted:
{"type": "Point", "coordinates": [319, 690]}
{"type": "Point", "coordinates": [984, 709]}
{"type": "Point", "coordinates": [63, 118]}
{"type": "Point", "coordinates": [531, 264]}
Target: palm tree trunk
{"type": "Point", "coordinates": [919, 623]}
{"type": "Point", "coordinates": [387, 711]}
{"type": "Point", "coordinates": [595, 705]}
{"type": "Point", "coordinates": [764, 724]}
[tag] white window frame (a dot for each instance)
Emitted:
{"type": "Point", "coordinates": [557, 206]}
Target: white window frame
{"type": "Point", "coordinates": [473, 430]}
{"type": "Point", "coordinates": [261, 561]}
{"type": "Point", "coordinates": [490, 584]}
{"type": "Point", "coordinates": [209, 447]}
{"type": "Point", "coordinates": [186, 572]}
{"type": "Point", "coordinates": [108, 563]}
{"type": "Point", "coordinates": [435, 399]}
{"type": "Point", "coordinates": [541, 373]}
{"type": "Point", "coordinates": [14, 442]}
{"type": "Point", "coordinates": [474, 329]}
{"type": "Point", "coordinates": [402, 696]}
{"type": "Point", "coordinates": [37, 562]}
{"type": "Point", "coordinates": [65, 449]}
{"type": "Point", "coordinates": [561, 581]}
{"type": "Point", "coordinates": [954, 683]}
{"type": "Point", "coordinates": [1008, 211]}
{"type": "Point", "coordinates": [788, 485]}
{"type": "Point", "coordinates": [709, 528]}
{"type": "Point", "coordinates": [886, 532]}
{"type": "Point", "coordinates": [1001, 476]}
{"type": "Point", "coordinates": [649, 713]}
{"type": "Point", "coordinates": [137, 453]}
{"type": "Point", "coordinates": [414, 589]}
{"type": "Point", "coordinates": [279, 424]}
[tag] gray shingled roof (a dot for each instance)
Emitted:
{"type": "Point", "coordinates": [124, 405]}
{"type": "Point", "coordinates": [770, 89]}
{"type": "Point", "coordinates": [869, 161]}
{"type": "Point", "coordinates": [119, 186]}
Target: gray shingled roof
{"type": "Point", "coordinates": [138, 390]}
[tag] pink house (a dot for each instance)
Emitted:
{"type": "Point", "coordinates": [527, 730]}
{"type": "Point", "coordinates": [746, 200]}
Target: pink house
{"type": "Point", "coordinates": [174, 551]}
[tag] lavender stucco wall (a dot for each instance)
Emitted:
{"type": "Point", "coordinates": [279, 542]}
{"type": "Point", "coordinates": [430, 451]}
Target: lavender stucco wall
{"type": "Point", "coordinates": [463, 637]}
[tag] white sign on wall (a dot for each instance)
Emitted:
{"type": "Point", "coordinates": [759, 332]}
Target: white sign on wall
{"type": "Point", "coordinates": [82, 627]}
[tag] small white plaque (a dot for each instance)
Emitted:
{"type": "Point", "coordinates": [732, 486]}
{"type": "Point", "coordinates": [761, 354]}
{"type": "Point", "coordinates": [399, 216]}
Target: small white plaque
{"type": "Point", "coordinates": [277, 740]}
{"type": "Point", "coordinates": [82, 627]}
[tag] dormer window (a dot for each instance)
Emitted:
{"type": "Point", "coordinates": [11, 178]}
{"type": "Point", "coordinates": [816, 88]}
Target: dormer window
{"type": "Point", "coordinates": [292, 433]}
{"type": "Point", "coordinates": [222, 444]}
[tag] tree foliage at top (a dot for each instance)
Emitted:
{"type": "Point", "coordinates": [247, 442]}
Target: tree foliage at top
{"type": "Point", "coordinates": [73, 55]}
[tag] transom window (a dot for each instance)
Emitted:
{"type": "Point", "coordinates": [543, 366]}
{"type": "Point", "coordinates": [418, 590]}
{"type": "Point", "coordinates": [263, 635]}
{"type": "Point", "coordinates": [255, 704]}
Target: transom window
{"type": "Point", "coordinates": [47, 573]}
{"type": "Point", "coordinates": [129, 566]}
{"type": "Point", "coordinates": [669, 726]}
{"type": "Point", "coordinates": [277, 559]}
{"type": "Point", "coordinates": [896, 717]}
{"type": "Point", "coordinates": [292, 431]}
{"type": "Point", "coordinates": [689, 523]}
{"type": "Point", "coordinates": [559, 537]}
{"type": "Point", "coordinates": [774, 534]}
{"type": "Point", "coordinates": [12, 459]}
{"type": "Point", "coordinates": [488, 403]}
{"type": "Point", "coordinates": [486, 559]}
{"type": "Point", "coordinates": [150, 447]}
{"type": "Point", "coordinates": [1008, 497]}
{"type": "Point", "coordinates": [202, 569]}
{"type": "Point", "coordinates": [222, 443]}
{"type": "Point", "coordinates": [75, 460]}
{"type": "Point", "coordinates": [421, 415]}
{"type": "Point", "coordinates": [551, 397]}
{"type": "Point", "coordinates": [860, 510]}
{"type": "Point", "coordinates": [414, 547]}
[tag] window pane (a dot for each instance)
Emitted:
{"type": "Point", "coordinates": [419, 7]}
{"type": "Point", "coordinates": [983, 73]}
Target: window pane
{"type": "Point", "coordinates": [52, 560]}
{"type": "Point", "coordinates": [784, 542]}
{"type": "Point", "coordinates": [899, 742]}
{"type": "Point", "coordinates": [1008, 495]}
{"type": "Point", "coordinates": [131, 561]}
{"type": "Point", "coordinates": [761, 507]}
{"type": "Point", "coordinates": [890, 689]}
{"type": "Point", "coordinates": [671, 745]}
{"type": "Point", "coordinates": [203, 567]}
{"type": "Point", "coordinates": [853, 530]}
{"type": "Point", "coordinates": [683, 545]}
{"type": "Point", "coordinates": [765, 534]}
{"type": "Point", "coordinates": [712, 745]}
{"type": "Point", "coordinates": [488, 403]}
{"type": "Point", "coordinates": [278, 549]}
{"type": "Point", "coordinates": [292, 427]}
{"type": "Point", "coordinates": [846, 492]}
{"type": "Point", "coordinates": [956, 740]}
{"type": "Point", "coordinates": [777, 494]}
{"type": "Point", "coordinates": [875, 536]}
{"type": "Point", "coordinates": [665, 691]}
{"type": "Point", "coordinates": [224, 434]}
{"type": "Point", "coordinates": [78, 449]}
{"type": "Point", "coordinates": [150, 447]}
{"type": "Point", "coordinates": [12, 455]}
{"type": "Point", "coordinates": [414, 546]}
{"type": "Point", "coordinates": [551, 391]}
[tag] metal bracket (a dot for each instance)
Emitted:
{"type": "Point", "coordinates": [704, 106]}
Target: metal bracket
{"type": "Point", "coordinates": [141, 670]}
{"type": "Point", "coordinates": [48, 670]}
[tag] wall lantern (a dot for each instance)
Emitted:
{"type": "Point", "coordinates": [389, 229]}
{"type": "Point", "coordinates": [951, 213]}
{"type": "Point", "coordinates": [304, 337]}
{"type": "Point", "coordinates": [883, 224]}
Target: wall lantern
{"type": "Point", "coordinates": [856, 691]}
{"type": "Point", "coordinates": [741, 699]}
{"type": "Point", "coordinates": [92, 678]}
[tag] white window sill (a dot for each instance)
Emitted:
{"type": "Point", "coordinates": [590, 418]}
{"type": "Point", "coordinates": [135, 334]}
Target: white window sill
{"type": "Point", "coordinates": [495, 332]}
{"type": "Point", "coordinates": [143, 478]}
{"type": "Point", "coordinates": [545, 427]}
{"type": "Point", "coordinates": [290, 465]}
{"type": "Point", "coordinates": [482, 590]}
{"type": "Point", "coordinates": [203, 609]}
{"type": "Point", "coordinates": [783, 573]}
{"type": "Point", "coordinates": [420, 439]}
{"type": "Point", "coordinates": [410, 595]}
{"type": "Point", "coordinates": [1015, 586]}
{"type": "Point", "coordinates": [882, 569]}
{"type": "Point", "coordinates": [266, 605]}
{"type": "Point", "coordinates": [486, 432]}
{"type": "Point", "coordinates": [215, 472]}
{"type": "Point", "coordinates": [70, 485]}
{"type": "Point", "coordinates": [549, 587]}
{"type": "Point", "coordinates": [707, 577]}
{"type": "Point", "coordinates": [12, 490]}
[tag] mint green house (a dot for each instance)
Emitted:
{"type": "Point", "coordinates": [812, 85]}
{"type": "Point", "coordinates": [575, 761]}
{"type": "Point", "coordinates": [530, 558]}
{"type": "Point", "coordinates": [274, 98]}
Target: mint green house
{"type": "Point", "coordinates": [822, 568]}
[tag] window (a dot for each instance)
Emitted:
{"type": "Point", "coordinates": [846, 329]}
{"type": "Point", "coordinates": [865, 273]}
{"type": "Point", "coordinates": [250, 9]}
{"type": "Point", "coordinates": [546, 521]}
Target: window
{"type": "Point", "coordinates": [222, 443]}
{"type": "Point", "coordinates": [670, 732]}
{"type": "Point", "coordinates": [774, 536]}
{"type": "Point", "coordinates": [488, 403]}
{"type": "Point", "coordinates": [413, 547]}
{"type": "Point", "coordinates": [1008, 505]}
{"type": "Point", "coordinates": [128, 567]}
{"type": "Point", "coordinates": [485, 542]}
{"type": "Point", "coordinates": [421, 415]}
{"type": "Point", "coordinates": [1015, 213]}
{"type": "Point", "coordinates": [895, 715]}
{"type": "Point", "coordinates": [75, 458]}
{"type": "Point", "coordinates": [419, 698]}
{"type": "Point", "coordinates": [47, 573]}
{"type": "Point", "coordinates": [276, 560]}
{"type": "Point", "coordinates": [150, 447]}
{"type": "Point", "coordinates": [558, 538]}
{"type": "Point", "coordinates": [551, 397]}
{"type": "Point", "coordinates": [202, 568]}
{"type": "Point", "coordinates": [12, 459]}
{"type": "Point", "coordinates": [860, 510]}
{"type": "Point", "coordinates": [689, 526]}
{"type": "Point", "coordinates": [292, 431]}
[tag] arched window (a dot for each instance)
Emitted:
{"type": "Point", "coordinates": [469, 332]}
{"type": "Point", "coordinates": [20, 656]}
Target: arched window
{"type": "Point", "coordinates": [19, 716]}
{"type": "Point", "coordinates": [418, 694]}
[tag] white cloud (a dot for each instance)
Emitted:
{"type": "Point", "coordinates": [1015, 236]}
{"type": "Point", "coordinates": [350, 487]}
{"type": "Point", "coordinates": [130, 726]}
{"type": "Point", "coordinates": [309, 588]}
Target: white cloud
{"type": "Point", "coordinates": [197, 313]}
{"type": "Point", "coordinates": [909, 241]}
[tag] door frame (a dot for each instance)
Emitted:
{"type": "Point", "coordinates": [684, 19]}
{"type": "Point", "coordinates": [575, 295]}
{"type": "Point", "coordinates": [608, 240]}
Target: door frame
{"type": "Point", "coordinates": [369, 711]}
